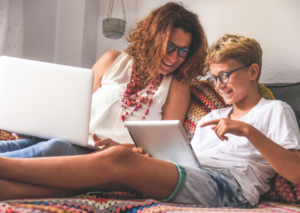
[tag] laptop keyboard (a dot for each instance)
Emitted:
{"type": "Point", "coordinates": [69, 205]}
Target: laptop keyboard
{"type": "Point", "coordinates": [92, 147]}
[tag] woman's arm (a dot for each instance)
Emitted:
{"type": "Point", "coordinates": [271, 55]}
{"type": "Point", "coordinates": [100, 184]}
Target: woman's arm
{"type": "Point", "coordinates": [101, 67]}
{"type": "Point", "coordinates": [177, 102]}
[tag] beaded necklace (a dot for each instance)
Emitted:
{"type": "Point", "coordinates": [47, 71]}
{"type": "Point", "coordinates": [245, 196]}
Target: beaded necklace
{"type": "Point", "coordinates": [137, 103]}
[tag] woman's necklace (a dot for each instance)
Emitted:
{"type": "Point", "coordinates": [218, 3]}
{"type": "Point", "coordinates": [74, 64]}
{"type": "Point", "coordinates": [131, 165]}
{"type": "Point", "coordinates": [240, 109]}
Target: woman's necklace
{"type": "Point", "coordinates": [136, 102]}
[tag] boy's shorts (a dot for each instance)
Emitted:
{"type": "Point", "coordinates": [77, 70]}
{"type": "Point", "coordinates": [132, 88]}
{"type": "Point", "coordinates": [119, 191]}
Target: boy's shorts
{"type": "Point", "coordinates": [207, 187]}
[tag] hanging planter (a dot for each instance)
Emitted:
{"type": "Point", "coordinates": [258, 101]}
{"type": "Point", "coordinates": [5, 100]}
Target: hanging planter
{"type": "Point", "coordinates": [113, 27]}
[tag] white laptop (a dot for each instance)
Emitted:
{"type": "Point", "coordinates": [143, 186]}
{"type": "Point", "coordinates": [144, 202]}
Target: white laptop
{"type": "Point", "coordinates": [165, 140]}
{"type": "Point", "coordinates": [45, 100]}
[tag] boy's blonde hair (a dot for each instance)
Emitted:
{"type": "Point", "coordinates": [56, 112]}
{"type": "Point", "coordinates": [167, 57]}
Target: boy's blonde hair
{"type": "Point", "coordinates": [240, 48]}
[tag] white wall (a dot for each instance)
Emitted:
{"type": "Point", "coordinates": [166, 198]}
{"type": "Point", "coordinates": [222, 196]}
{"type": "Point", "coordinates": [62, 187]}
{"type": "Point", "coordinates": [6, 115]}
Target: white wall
{"type": "Point", "coordinates": [105, 44]}
{"type": "Point", "coordinates": [273, 23]}
{"type": "Point", "coordinates": [70, 31]}
{"type": "Point", "coordinates": [61, 31]}
{"type": "Point", "coordinates": [11, 28]}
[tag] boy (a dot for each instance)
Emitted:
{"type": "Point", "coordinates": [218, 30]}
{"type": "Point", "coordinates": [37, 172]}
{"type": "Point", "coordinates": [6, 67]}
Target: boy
{"type": "Point", "coordinates": [237, 147]}
{"type": "Point", "coordinates": [263, 134]}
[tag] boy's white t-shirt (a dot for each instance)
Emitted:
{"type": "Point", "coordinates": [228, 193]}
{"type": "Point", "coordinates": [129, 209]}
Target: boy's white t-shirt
{"type": "Point", "coordinates": [275, 119]}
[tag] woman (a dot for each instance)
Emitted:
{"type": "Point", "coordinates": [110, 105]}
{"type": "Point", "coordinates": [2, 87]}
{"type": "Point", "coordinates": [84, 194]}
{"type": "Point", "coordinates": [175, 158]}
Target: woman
{"type": "Point", "coordinates": [149, 80]}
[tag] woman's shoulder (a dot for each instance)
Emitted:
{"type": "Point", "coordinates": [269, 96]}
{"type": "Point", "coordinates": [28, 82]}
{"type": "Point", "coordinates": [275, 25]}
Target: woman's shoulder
{"type": "Point", "coordinates": [179, 89]}
{"type": "Point", "coordinates": [177, 84]}
{"type": "Point", "coordinates": [110, 56]}
{"type": "Point", "coordinates": [102, 65]}
{"type": "Point", "coordinates": [105, 61]}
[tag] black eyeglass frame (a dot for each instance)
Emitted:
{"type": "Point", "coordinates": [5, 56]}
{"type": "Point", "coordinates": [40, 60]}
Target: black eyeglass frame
{"type": "Point", "coordinates": [228, 73]}
{"type": "Point", "coordinates": [179, 48]}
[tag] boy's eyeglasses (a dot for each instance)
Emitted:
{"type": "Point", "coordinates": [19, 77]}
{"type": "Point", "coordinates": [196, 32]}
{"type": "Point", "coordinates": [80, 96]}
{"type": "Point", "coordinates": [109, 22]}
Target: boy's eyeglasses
{"type": "Point", "coordinates": [223, 76]}
{"type": "Point", "coordinates": [182, 52]}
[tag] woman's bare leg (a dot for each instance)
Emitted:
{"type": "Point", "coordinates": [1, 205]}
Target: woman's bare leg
{"type": "Point", "coordinates": [17, 190]}
{"type": "Point", "coordinates": [118, 164]}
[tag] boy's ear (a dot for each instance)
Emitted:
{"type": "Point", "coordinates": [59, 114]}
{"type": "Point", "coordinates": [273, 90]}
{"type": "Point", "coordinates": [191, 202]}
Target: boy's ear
{"type": "Point", "coordinates": [254, 71]}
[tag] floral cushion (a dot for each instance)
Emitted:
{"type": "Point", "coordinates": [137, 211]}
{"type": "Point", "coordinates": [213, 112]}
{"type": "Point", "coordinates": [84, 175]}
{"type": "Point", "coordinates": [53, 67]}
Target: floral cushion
{"type": "Point", "coordinates": [5, 136]}
{"type": "Point", "coordinates": [283, 190]}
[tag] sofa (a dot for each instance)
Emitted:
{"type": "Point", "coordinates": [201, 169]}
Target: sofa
{"type": "Point", "coordinates": [283, 196]}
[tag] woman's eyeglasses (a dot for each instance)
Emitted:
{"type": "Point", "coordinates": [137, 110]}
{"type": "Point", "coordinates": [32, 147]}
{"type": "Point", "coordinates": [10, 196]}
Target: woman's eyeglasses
{"type": "Point", "coordinates": [223, 76]}
{"type": "Point", "coordinates": [182, 52]}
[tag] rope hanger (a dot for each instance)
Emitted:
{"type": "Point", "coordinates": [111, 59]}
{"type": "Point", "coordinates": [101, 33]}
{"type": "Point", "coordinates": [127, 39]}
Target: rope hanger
{"type": "Point", "coordinates": [110, 9]}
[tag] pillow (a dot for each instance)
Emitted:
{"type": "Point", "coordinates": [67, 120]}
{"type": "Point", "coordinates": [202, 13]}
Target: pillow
{"type": "Point", "coordinates": [283, 190]}
{"type": "Point", "coordinates": [5, 136]}
{"type": "Point", "coordinates": [204, 99]}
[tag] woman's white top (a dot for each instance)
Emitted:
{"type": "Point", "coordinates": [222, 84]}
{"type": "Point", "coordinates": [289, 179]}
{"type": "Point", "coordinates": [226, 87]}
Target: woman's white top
{"type": "Point", "coordinates": [106, 102]}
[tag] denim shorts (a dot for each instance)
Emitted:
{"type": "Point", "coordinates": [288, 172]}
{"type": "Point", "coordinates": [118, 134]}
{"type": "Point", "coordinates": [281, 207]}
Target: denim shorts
{"type": "Point", "coordinates": [207, 187]}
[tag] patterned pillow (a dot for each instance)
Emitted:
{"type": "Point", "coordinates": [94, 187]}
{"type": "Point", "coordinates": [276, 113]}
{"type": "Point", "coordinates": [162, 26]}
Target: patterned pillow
{"type": "Point", "coordinates": [204, 99]}
{"type": "Point", "coordinates": [5, 136]}
{"type": "Point", "coordinates": [283, 190]}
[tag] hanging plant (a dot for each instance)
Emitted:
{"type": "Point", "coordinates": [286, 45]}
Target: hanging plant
{"type": "Point", "coordinates": [113, 27]}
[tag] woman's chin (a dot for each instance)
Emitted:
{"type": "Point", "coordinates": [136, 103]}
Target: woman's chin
{"type": "Point", "coordinates": [165, 72]}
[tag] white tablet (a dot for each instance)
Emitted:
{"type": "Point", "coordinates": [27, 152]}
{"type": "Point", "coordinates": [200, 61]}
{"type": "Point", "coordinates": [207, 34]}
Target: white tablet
{"type": "Point", "coordinates": [165, 140]}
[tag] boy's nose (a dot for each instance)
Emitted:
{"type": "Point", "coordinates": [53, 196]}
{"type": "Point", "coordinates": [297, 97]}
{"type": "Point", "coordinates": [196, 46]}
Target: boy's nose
{"type": "Point", "coordinates": [219, 84]}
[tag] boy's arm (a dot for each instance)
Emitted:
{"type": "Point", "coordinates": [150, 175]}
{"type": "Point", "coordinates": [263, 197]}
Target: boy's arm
{"type": "Point", "coordinates": [285, 162]}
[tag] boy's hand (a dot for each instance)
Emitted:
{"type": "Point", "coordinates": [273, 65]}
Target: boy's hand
{"type": "Point", "coordinates": [223, 126]}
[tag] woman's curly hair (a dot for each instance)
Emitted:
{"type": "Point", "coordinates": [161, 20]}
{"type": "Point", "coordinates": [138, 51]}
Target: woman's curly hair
{"type": "Point", "coordinates": [148, 43]}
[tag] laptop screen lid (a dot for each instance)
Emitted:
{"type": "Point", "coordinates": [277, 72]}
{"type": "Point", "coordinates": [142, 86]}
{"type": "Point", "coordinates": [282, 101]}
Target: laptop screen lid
{"type": "Point", "coordinates": [165, 140]}
{"type": "Point", "coordinates": [45, 100]}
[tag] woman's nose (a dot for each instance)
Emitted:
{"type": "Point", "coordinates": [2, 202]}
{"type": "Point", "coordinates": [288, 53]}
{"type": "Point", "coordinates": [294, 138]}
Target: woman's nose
{"type": "Point", "coordinates": [173, 55]}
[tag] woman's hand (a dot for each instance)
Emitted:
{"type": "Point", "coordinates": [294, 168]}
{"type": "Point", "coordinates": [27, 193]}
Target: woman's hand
{"type": "Point", "coordinates": [17, 137]}
{"type": "Point", "coordinates": [107, 142]}
{"type": "Point", "coordinates": [104, 143]}
{"type": "Point", "coordinates": [224, 125]}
